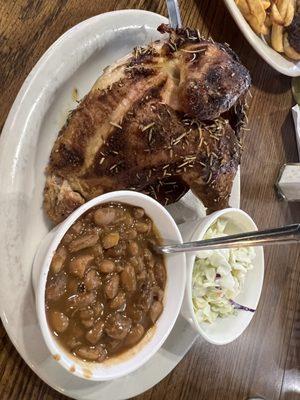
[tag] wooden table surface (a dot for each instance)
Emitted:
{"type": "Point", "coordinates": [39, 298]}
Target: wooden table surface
{"type": "Point", "coordinates": [265, 360]}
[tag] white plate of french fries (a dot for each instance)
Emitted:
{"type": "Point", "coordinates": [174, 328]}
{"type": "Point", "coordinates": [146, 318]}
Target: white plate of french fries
{"type": "Point", "coordinates": [264, 23]}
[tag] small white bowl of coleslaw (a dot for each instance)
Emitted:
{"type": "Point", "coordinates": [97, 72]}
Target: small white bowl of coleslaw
{"type": "Point", "coordinates": [223, 287]}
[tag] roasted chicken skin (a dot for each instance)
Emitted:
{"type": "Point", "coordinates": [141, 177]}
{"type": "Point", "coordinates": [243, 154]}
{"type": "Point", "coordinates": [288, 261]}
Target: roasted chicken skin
{"type": "Point", "coordinates": [162, 120]}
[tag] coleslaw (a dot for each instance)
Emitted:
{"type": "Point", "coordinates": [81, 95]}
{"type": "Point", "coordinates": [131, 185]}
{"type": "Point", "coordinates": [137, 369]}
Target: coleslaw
{"type": "Point", "coordinates": [218, 277]}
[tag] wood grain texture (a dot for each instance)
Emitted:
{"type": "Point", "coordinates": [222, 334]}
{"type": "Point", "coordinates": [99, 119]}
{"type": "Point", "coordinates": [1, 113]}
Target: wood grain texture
{"type": "Point", "coordinates": [265, 361]}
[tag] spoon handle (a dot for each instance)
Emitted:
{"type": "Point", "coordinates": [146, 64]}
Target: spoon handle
{"type": "Point", "coordinates": [174, 14]}
{"type": "Point", "coordinates": [284, 234]}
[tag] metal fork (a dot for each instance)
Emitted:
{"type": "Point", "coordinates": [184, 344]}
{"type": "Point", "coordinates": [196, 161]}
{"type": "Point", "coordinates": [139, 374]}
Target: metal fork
{"type": "Point", "coordinates": [174, 14]}
{"type": "Point", "coordinates": [282, 235]}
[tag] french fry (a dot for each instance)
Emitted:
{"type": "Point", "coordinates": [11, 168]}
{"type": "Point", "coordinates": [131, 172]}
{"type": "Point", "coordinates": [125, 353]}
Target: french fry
{"type": "Point", "coordinates": [265, 29]}
{"type": "Point", "coordinates": [266, 4]}
{"type": "Point", "coordinates": [255, 25]}
{"type": "Point", "coordinates": [243, 7]}
{"type": "Point", "coordinates": [289, 50]}
{"type": "Point", "coordinates": [282, 6]}
{"type": "Point", "coordinates": [289, 14]}
{"type": "Point", "coordinates": [277, 38]}
{"type": "Point", "coordinates": [254, 13]}
{"type": "Point", "coordinates": [276, 16]}
{"type": "Point", "coordinates": [257, 9]}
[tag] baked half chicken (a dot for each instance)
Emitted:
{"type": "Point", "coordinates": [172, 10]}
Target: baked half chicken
{"type": "Point", "coordinates": [162, 120]}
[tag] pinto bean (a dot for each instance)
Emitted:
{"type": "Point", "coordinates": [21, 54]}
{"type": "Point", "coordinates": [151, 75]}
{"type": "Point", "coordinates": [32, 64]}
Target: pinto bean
{"type": "Point", "coordinates": [58, 260]}
{"type": "Point", "coordinates": [141, 276]}
{"type": "Point", "coordinates": [73, 285]}
{"type": "Point", "coordinates": [117, 251]}
{"type": "Point", "coordinates": [76, 336]}
{"type": "Point", "coordinates": [145, 297]}
{"type": "Point", "coordinates": [118, 302]}
{"type": "Point", "coordinates": [107, 266]}
{"type": "Point", "coordinates": [78, 265]}
{"type": "Point", "coordinates": [119, 268]}
{"type": "Point", "coordinates": [142, 227]}
{"type": "Point", "coordinates": [158, 293]}
{"type": "Point", "coordinates": [112, 286]}
{"type": "Point", "coordinates": [77, 227]}
{"type": "Point", "coordinates": [88, 323]}
{"type": "Point", "coordinates": [127, 219]}
{"type": "Point", "coordinates": [92, 280]}
{"type": "Point", "coordinates": [104, 216]}
{"type": "Point", "coordinates": [135, 335]}
{"type": "Point", "coordinates": [67, 238]}
{"type": "Point", "coordinates": [138, 264]}
{"type": "Point", "coordinates": [86, 314]}
{"type": "Point", "coordinates": [59, 321]}
{"type": "Point", "coordinates": [91, 353]}
{"type": "Point", "coordinates": [56, 287]}
{"type": "Point", "coordinates": [112, 345]}
{"type": "Point", "coordinates": [87, 317]}
{"type": "Point", "coordinates": [133, 248]}
{"type": "Point", "coordinates": [155, 310]}
{"type": "Point", "coordinates": [138, 213]}
{"type": "Point", "coordinates": [73, 342]}
{"type": "Point", "coordinates": [130, 234]}
{"type": "Point", "coordinates": [77, 331]}
{"type": "Point", "coordinates": [83, 242]}
{"type": "Point", "coordinates": [151, 277]}
{"type": "Point", "coordinates": [160, 275]}
{"type": "Point", "coordinates": [128, 278]}
{"type": "Point", "coordinates": [94, 334]}
{"type": "Point", "coordinates": [117, 326]}
{"type": "Point", "coordinates": [98, 251]}
{"type": "Point", "coordinates": [98, 309]}
{"type": "Point", "coordinates": [136, 315]}
{"type": "Point", "coordinates": [82, 300]}
{"type": "Point", "coordinates": [110, 240]}
{"type": "Point", "coordinates": [148, 257]}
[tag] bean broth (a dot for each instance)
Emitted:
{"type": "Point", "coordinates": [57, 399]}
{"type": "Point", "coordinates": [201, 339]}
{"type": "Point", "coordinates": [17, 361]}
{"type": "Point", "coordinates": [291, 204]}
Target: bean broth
{"type": "Point", "coordinates": [105, 286]}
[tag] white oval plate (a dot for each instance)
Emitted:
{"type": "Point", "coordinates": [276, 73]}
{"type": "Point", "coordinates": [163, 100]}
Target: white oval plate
{"type": "Point", "coordinates": [75, 60]}
{"type": "Point", "coordinates": [272, 57]}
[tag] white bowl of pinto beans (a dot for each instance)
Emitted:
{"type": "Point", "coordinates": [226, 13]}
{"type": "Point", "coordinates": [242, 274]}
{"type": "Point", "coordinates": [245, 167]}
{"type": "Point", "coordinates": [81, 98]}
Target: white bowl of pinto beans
{"type": "Point", "coordinates": [105, 301]}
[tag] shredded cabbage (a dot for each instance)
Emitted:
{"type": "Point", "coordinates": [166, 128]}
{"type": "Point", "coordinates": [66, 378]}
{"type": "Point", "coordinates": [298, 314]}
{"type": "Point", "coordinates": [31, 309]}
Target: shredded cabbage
{"type": "Point", "coordinates": [218, 277]}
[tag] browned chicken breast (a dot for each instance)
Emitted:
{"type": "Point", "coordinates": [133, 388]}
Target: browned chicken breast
{"type": "Point", "coordinates": [162, 120]}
